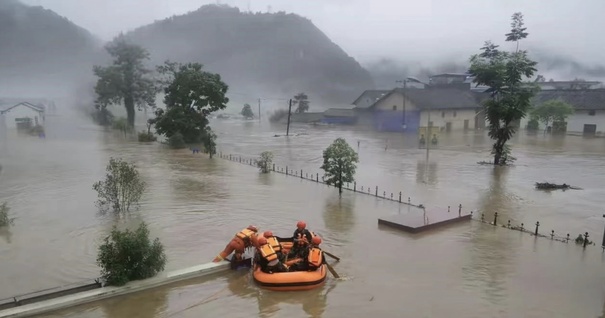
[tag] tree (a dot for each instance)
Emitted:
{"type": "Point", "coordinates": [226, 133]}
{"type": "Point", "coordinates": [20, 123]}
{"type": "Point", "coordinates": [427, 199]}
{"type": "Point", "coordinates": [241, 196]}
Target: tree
{"type": "Point", "coordinates": [121, 188]}
{"type": "Point", "coordinates": [302, 103]}
{"type": "Point", "coordinates": [126, 80]}
{"type": "Point", "coordinates": [552, 111]}
{"type": "Point", "coordinates": [247, 111]}
{"type": "Point", "coordinates": [265, 161]}
{"type": "Point", "coordinates": [5, 220]}
{"type": "Point", "coordinates": [130, 255]}
{"type": "Point", "coordinates": [339, 163]}
{"type": "Point", "coordinates": [510, 97]}
{"type": "Point", "coordinates": [191, 95]}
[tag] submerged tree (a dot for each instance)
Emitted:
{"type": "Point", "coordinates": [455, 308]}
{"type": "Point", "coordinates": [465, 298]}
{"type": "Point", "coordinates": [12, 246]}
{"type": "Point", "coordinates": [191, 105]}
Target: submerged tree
{"type": "Point", "coordinates": [130, 255]}
{"type": "Point", "coordinates": [301, 101]}
{"type": "Point", "coordinates": [126, 80]}
{"type": "Point", "coordinates": [247, 111]}
{"type": "Point", "coordinates": [121, 188]}
{"type": "Point", "coordinates": [265, 161]}
{"type": "Point", "coordinates": [5, 219]}
{"type": "Point", "coordinates": [553, 111]}
{"type": "Point", "coordinates": [191, 95]}
{"type": "Point", "coordinates": [339, 163]}
{"type": "Point", "coordinates": [510, 98]}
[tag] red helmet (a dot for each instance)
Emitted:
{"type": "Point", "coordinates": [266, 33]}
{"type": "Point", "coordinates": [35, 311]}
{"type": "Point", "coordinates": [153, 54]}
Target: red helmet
{"type": "Point", "coordinates": [301, 225]}
{"type": "Point", "coordinates": [316, 240]}
{"type": "Point", "coordinates": [262, 241]}
{"type": "Point", "coordinates": [252, 228]}
{"type": "Point", "coordinates": [268, 234]}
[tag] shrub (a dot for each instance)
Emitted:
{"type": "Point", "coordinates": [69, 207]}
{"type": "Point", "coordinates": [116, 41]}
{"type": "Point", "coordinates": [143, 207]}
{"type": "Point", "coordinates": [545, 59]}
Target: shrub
{"type": "Point", "coordinates": [130, 255]}
{"type": "Point", "coordinates": [265, 161]}
{"type": "Point", "coordinates": [4, 219]}
{"type": "Point", "coordinates": [278, 115]}
{"type": "Point", "coordinates": [121, 124]}
{"type": "Point", "coordinates": [176, 141]}
{"type": "Point", "coordinates": [145, 136]}
{"type": "Point", "coordinates": [121, 188]}
{"type": "Point", "coordinates": [533, 124]}
{"type": "Point", "coordinates": [36, 130]}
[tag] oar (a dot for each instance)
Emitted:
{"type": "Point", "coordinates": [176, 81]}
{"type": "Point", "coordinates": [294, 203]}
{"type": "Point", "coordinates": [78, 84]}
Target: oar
{"type": "Point", "coordinates": [332, 256]}
{"type": "Point", "coordinates": [331, 269]}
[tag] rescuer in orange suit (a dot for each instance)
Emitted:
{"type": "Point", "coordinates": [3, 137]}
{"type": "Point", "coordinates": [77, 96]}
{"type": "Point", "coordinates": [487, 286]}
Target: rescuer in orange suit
{"type": "Point", "coordinates": [274, 242]}
{"type": "Point", "coordinates": [243, 239]}
{"type": "Point", "coordinates": [315, 257]}
{"type": "Point", "coordinates": [301, 239]}
{"type": "Point", "coordinates": [268, 259]}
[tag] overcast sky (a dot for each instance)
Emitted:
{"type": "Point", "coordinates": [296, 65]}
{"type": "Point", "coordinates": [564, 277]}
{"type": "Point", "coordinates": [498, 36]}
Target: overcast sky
{"type": "Point", "coordinates": [372, 29]}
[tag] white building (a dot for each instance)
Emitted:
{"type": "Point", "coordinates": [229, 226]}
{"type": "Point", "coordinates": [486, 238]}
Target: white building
{"type": "Point", "coordinates": [22, 113]}
{"type": "Point", "coordinates": [589, 105]}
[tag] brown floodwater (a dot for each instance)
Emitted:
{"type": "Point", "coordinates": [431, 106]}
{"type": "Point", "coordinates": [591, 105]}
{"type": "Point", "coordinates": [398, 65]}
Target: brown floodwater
{"type": "Point", "coordinates": [195, 205]}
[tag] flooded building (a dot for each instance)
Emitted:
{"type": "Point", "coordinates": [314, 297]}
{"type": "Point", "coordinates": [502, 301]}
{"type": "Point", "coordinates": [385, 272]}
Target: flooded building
{"type": "Point", "coordinates": [21, 116]}
{"type": "Point", "coordinates": [409, 109]}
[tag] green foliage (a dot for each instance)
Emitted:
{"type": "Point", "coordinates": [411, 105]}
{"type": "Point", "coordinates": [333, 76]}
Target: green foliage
{"type": "Point", "coordinates": [339, 163]}
{"type": "Point", "coordinates": [126, 80]}
{"type": "Point", "coordinates": [145, 136]}
{"type": "Point", "coordinates": [36, 130]}
{"type": "Point", "coordinates": [503, 72]}
{"type": "Point", "coordinates": [102, 117]}
{"type": "Point", "coordinates": [506, 157]}
{"type": "Point", "coordinates": [176, 141]}
{"type": "Point", "coordinates": [277, 115]}
{"type": "Point", "coordinates": [552, 111]}
{"type": "Point", "coordinates": [5, 220]}
{"type": "Point", "coordinates": [533, 124]}
{"type": "Point", "coordinates": [191, 95]}
{"type": "Point", "coordinates": [121, 188]}
{"type": "Point", "coordinates": [265, 161]}
{"type": "Point", "coordinates": [301, 101]}
{"type": "Point", "coordinates": [121, 124]}
{"type": "Point", "coordinates": [247, 111]}
{"type": "Point", "coordinates": [130, 255]}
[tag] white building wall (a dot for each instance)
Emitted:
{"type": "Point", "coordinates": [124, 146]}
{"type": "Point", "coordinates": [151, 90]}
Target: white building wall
{"type": "Point", "coordinates": [576, 122]}
{"type": "Point", "coordinates": [20, 112]}
{"type": "Point", "coordinates": [440, 118]}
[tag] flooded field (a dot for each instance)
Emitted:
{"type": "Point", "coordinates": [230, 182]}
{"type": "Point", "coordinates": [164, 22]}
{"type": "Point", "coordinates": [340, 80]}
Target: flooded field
{"type": "Point", "coordinates": [195, 205]}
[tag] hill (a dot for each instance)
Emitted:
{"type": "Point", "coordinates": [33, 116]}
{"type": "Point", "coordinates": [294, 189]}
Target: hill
{"type": "Point", "coordinates": [258, 55]}
{"type": "Point", "coordinates": [40, 50]}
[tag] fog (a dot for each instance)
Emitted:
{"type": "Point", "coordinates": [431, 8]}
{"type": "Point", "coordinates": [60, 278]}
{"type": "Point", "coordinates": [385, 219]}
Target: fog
{"type": "Point", "coordinates": [422, 32]}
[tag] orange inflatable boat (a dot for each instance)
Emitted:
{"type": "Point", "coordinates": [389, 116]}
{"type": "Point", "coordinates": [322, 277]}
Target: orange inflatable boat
{"type": "Point", "coordinates": [290, 281]}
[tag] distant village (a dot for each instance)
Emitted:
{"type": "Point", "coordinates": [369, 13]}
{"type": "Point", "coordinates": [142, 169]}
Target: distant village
{"type": "Point", "coordinates": [451, 102]}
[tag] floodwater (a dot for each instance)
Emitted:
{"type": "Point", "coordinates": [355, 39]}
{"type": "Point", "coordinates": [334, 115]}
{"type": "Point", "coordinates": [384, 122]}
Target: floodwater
{"type": "Point", "coordinates": [195, 205]}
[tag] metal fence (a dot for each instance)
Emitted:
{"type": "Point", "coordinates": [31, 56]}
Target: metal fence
{"type": "Point", "coordinates": [374, 191]}
{"type": "Point", "coordinates": [534, 230]}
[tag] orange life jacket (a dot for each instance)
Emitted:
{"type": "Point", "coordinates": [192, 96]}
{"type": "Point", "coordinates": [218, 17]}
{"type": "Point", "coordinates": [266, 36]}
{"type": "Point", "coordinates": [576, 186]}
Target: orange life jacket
{"type": "Point", "coordinates": [274, 243]}
{"type": "Point", "coordinates": [245, 235]}
{"type": "Point", "coordinates": [315, 257]}
{"type": "Point", "coordinates": [268, 253]}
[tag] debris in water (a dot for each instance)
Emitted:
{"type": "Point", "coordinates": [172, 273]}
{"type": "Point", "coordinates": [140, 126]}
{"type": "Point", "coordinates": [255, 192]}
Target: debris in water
{"type": "Point", "coordinates": [554, 186]}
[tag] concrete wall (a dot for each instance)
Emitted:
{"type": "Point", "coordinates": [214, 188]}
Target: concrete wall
{"type": "Point", "coordinates": [440, 118]}
{"type": "Point", "coordinates": [576, 122]}
{"type": "Point", "coordinates": [20, 112]}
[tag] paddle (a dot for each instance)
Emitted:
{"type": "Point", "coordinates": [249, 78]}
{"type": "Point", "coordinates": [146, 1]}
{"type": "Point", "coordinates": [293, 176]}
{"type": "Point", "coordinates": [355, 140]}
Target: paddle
{"type": "Point", "coordinates": [331, 269]}
{"type": "Point", "coordinates": [332, 256]}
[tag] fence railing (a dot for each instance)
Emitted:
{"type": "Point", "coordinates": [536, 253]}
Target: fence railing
{"type": "Point", "coordinates": [533, 230]}
{"type": "Point", "coordinates": [374, 191]}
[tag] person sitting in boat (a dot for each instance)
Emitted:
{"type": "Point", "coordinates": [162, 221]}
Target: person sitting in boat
{"type": "Point", "coordinates": [242, 240]}
{"type": "Point", "coordinates": [274, 242]}
{"type": "Point", "coordinates": [301, 239]}
{"type": "Point", "coordinates": [315, 257]}
{"type": "Point", "coordinates": [267, 258]}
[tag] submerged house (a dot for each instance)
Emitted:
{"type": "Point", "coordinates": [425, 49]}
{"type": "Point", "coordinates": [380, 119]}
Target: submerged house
{"type": "Point", "coordinates": [400, 110]}
{"type": "Point", "coordinates": [21, 116]}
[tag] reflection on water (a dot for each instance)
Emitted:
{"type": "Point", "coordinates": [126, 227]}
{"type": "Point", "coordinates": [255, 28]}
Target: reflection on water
{"type": "Point", "coordinates": [424, 175]}
{"type": "Point", "coordinates": [339, 215]}
{"type": "Point", "coordinates": [313, 301]}
{"type": "Point", "coordinates": [151, 304]}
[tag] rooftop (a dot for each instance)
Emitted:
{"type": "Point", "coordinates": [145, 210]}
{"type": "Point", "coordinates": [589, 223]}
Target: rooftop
{"type": "Point", "coordinates": [439, 98]}
{"type": "Point", "coordinates": [585, 99]}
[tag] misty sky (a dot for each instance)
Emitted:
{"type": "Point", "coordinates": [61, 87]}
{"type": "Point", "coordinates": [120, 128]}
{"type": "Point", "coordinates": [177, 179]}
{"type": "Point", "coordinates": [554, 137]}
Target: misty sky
{"type": "Point", "coordinates": [427, 30]}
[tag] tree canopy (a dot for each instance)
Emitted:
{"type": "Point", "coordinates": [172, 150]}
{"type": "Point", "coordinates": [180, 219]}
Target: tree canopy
{"type": "Point", "coordinates": [191, 94]}
{"type": "Point", "coordinates": [126, 80]}
{"type": "Point", "coordinates": [339, 163]}
{"type": "Point", "coordinates": [554, 110]}
{"type": "Point", "coordinates": [503, 72]}
{"type": "Point", "coordinates": [247, 111]}
{"type": "Point", "coordinates": [301, 101]}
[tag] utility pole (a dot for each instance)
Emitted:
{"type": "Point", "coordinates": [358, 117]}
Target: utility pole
{"type": "Point", "coordinates": [428, 142]}
{"type": "Point", "coordinates": [259, 110]}
{"type": "Point", "coordinates": [289, 113]}
{"type": "Point", "coordinates": [403, 122]}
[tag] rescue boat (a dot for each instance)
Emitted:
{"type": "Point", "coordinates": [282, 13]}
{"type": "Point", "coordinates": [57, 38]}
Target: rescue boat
{"type": "Point", "coordinates": [290, 281]}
